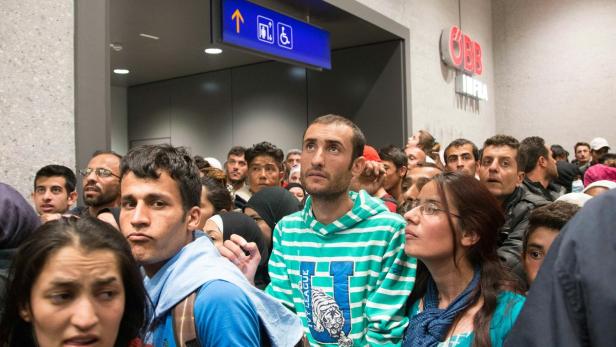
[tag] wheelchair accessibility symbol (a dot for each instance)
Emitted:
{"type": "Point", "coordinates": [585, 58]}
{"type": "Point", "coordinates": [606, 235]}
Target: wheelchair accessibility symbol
{"type": "Point", "coordinates": [285, 35]}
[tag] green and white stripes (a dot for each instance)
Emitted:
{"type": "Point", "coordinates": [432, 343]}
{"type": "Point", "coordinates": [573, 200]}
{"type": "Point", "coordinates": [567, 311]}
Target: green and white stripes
{"type": "Point", "coordinates": [368, 242]}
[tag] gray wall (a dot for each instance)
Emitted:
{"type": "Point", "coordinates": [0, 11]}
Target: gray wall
{"type": "Point", "coordinates": [119, 120]}
{"type": "Point", "coordinates": [556, 72]}
{"type": "Point", "coordinates": [434, 104]}
{"type": "Point", "coordinates": [36, 89]}
{"type": "Point", "coordinates": [366, 83]}
{"type": "Point", "coordinates": [272, 101]}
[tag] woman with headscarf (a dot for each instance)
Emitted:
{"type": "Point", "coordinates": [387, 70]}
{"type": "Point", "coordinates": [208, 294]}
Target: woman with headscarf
{"type": "Point", "coordinates": [267, 207]}
{"type": "Point", "coordinates": [220, 227]}
{"type": "Point", "coordinates": [17, 222]}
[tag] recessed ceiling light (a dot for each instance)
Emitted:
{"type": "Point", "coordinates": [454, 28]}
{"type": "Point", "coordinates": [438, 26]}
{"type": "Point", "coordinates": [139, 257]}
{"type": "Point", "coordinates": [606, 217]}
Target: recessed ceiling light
{"type": "Point", "coordinates": [116, 46]}
{"type": "Point", "coordinates": [213, 50]}
{"type": "Point", "coordinates": [149, 36]}
{"type": "Point", "coordinates": [121, 71]}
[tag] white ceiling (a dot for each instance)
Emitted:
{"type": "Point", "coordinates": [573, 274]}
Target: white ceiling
{"type": "Point", "coordinates": [183, 30]}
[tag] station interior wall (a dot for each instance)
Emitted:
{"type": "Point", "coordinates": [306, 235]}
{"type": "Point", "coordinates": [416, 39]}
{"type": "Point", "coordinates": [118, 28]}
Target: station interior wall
{"type": "Point", "coordinates": [435, 106]}
{"type": "Point", "coordinates": [556, 73]}
{"type": "Point", "coordinates": [549, 72]}
{"type": "Point", "coordinates": [210, 112]}
{"type": "Point", "coordinates": [548, 66]}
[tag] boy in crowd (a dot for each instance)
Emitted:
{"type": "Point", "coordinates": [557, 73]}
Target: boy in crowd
{"type": "Point", "coordinates": [54, 191]}
{"type": "Point", "coordinates": [265, 166]}
{"type": "Point", "coordinates": [394, 162]}
{"type": "Point", "coordinates": [544, 224]}
{"type": "Point", "coordinates": [235, 169]}
{"type": "Point", "coordinates": [159, 217]}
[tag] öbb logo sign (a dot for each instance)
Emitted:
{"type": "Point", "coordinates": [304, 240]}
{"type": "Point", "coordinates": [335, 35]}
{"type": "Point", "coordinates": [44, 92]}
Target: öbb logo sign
{"type": "Point", "coordinates": [459, 51]}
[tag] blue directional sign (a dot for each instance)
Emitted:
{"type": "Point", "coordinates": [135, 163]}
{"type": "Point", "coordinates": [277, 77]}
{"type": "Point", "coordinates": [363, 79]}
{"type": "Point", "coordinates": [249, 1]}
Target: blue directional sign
{"type": "Point", "coordinates": [272, 34]}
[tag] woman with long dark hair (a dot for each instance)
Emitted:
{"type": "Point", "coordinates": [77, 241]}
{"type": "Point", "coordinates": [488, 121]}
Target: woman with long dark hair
{"type": "Point", "coordinates": [462, 295]}
{"type": "Point", "coordinates": [74, 283]}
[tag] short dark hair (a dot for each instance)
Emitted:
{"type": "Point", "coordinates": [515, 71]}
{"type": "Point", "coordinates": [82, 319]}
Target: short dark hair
{"type": "Point", "coordinates": [531, 148]}
{"type": "Point", "coordinates": [427, 142]}
{"type": "Point", "coordinates": [606, 157]}
{"type": "Point", "coordinates": [147, 160]}
{"type": "Point", "coordinates": [395, 155]}
{"type": "Point", "coordinates": [358, 140]}
{"type": "Point", "coordinates": [581, 144]}
{"type": "Point", "coordinates": [89, 234]}
{"type": "Point", "coordinates": [101, 152]}
{"type": "Point", "coordinates": [236, 150]}
{"type": "Point", "coordinates": [505, 140]}
{"type": "Point", "coordinates": [459, 143]}
{"type": "Point", "coordinates": [201, 163]}
{"type": "Point", "coordinates": [553, 215]}
{"type": "Point", "coordinates": [70, 181]}
{"type": "Point", "coordinates": [218, 195]}
{"type": "Point", "coordinates": [559, 152]}
{"type": "Point", "coordinates": [265, 148]}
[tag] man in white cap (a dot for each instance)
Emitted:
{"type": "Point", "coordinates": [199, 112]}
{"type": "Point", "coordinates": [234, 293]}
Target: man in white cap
{"type": "Point", "coordinates": [598, 147]}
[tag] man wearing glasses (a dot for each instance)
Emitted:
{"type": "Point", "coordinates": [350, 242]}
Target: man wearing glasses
{"type": "Point", "coordinates": [101, 185]}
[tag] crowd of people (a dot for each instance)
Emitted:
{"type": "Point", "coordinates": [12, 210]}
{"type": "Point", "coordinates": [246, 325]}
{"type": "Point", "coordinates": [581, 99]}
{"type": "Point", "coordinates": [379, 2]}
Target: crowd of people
{"type": "Point", "coordinates": [336, 243]}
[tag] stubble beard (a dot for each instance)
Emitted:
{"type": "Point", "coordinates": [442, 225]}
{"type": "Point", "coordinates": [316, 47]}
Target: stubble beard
{"type": "Point", "coordinates": [332, 192]}
{"type": "Point", "coordinates": [105, 198]}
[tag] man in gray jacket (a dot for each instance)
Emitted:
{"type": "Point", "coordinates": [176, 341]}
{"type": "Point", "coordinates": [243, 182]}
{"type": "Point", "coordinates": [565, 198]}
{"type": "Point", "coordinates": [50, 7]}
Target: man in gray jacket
{"type": "Point", "coordinates": [501, 170]}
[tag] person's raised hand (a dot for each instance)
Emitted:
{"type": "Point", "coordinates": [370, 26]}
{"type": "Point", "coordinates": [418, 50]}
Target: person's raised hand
{"type": "Point", "coordinates": [245, 255]}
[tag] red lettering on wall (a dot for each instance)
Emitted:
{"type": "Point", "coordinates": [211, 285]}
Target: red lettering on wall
{"type": "Point", "coordinates": [460, 51]}
{"type": "Point", "coordinates": [478, 66]}
{"type": "Point", "coordinates": [468, 54]}
{"type": "Point", "coordinates": [455, 46]}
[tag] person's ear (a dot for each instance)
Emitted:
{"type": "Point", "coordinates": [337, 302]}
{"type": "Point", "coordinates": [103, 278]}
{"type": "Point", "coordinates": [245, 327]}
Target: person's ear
{"type": "Point", "coordinates": [402, 171]}
{"type": "Point", "coordinates": [72, 198]}
{"type": "Point", "coordinates": [542, 161]}
{"type": "Point", "coordinates": [358, 166]}
{"type": "Point", "coordinates": [25, 314]}
{"type": "Point", "coordinates": [520, 178]}
{"type": "Point", "coordinates": [193, 216]}
{"type": "Point", "coordinates": [281, 177]}
{"type": "Point", "coordinates": [469, 238]}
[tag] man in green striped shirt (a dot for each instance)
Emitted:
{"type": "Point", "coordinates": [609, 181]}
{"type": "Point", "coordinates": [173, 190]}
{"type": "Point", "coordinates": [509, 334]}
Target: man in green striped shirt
{"type": "Point", "coordinates": [340, 262]}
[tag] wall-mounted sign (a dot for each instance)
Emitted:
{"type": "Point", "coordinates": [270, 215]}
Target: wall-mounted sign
{"type": "Point", "coordinates": [469, 86]}
{"type": "Point", "coordinates": [272, 34]}
{"type": "Point", "coordinates": [464, 54]}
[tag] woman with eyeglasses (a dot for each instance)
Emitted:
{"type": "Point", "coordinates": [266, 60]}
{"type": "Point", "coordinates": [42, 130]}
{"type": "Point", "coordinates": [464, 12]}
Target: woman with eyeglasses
{"type": "Point", "coordinates": [462, 295]}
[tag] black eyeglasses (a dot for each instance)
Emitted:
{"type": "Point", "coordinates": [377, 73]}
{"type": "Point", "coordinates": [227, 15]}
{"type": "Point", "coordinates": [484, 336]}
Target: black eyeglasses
{"type": "Point", "coordinates": [429, 208]}
{"type": "Point", "coordinates": [99, 171]}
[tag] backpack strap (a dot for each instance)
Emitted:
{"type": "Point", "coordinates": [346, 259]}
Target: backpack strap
{"type": "Point", "coordinates": [184, 330]}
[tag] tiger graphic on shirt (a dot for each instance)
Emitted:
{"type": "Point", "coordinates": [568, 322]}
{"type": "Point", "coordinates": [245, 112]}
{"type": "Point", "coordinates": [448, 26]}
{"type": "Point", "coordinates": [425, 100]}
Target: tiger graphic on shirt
{"type": "Point", "coordinates": [329, 317]}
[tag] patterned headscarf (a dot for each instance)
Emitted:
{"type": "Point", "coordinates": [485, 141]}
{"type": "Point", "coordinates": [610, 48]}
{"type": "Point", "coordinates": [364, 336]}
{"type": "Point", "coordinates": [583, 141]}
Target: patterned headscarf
{"type": "Point", "coordinates": [17, 218]}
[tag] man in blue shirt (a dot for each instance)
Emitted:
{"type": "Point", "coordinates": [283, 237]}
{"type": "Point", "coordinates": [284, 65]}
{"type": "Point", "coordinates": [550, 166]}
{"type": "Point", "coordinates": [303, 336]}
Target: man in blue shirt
{"type": "Point", "coordinates": [159, 217]}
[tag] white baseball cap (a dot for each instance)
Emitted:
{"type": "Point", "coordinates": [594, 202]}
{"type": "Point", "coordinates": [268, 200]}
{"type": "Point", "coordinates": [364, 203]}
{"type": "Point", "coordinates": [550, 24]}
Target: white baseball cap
{"type": "Point", "coordinates": [598, 143]}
